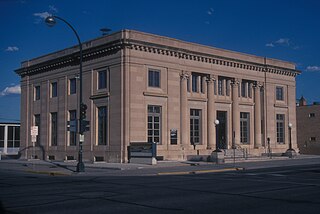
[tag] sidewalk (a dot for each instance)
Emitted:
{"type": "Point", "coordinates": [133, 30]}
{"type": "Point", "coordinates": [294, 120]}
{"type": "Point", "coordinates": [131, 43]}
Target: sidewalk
{"type": "Point", "coordinates": [163, 167]}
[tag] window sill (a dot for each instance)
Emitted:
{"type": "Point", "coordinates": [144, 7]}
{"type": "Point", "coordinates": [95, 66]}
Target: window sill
{"type": "Point", "coordinates": [99, 95]}
{"type": "Point", "coordinates": [281, 105]}
{"type": "Point", "coordinates": [155, 94]}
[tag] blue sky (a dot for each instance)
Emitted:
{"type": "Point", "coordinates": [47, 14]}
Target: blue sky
{"type": "Point", "coordinates": [287, 30]}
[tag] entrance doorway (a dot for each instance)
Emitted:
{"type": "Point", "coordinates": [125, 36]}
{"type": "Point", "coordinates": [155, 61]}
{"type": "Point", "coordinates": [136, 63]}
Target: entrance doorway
{"type": "Point", "coordinates": [221, 130]}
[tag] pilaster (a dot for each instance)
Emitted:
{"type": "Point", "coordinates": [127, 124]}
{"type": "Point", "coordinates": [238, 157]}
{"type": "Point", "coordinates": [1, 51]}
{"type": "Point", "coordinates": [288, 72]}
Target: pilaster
{"type": "Point", "coordinates": [235, 111]}
{"type": "Point", "coordinates": [184, 136]}
{"type": "Point", "coordinates": [257, 115]}
{"type": "Point", "coordinates": [211, 113]}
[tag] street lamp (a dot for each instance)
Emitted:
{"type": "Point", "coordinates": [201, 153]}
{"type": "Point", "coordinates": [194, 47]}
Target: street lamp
{"type": "Point", "coordinates": [290, 152]}
{"type": "Point", "coordinates": [216, 122]}
{"type": "Point", "coordinates": [51, 21]}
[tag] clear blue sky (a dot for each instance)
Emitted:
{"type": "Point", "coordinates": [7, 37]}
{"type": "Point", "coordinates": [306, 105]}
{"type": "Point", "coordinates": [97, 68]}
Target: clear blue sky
{"type": "Point", "coordinates": [287, 30]}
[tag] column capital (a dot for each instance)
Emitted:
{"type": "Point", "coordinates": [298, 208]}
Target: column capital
{"type": "Point", "coordinates": [211, 78]}
{"type": "Point", "coordinates": [258, 84]}
{"type": "Point", "coordinates": [184, 75]}
{"type": "Point", "coordinates": [235, 82]}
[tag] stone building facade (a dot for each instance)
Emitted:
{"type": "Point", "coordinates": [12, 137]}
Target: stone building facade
{"type": "Point", "coordinates": [144, 87]}
{"type": "Point", "coordinates": [308, 127]}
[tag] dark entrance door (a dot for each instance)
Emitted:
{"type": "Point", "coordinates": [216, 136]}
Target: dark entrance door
{"type": "Point", "coordinates": [221, 136]}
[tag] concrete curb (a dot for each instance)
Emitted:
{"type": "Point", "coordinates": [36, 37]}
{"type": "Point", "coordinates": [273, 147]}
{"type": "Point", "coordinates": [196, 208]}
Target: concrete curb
{"type": "Point", "coordinates": [201, 171]}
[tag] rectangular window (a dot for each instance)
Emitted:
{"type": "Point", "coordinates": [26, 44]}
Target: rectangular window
{"type": "Point", "coordinates": [244, 89]}
{"type": "Point", "coordinates": [72, 135]}
{"type": "Point", "coordinates": [154, 78]}
{"type": "Point", "coordinates": [37, 123]}
{"type": "Point", "coordinates": [54, 89]}
{"type": "Point", "coordinates": [195, 82]}
{"type": "Point", "coordinates": [244, 128]}
{"type": "Point", "coordinates": [102, 79]}
{"type": "Point", "coordinates": [2, 136]}
{"type": "Point", "coordinates": [173, 136]}
{"type": "Point", "coordinates": [13, 136]}
{"type": "Point", "coordinates": [10, 136]}
{"type": "Point", "coordinates": [220, 86]}
{"type": "Point", "coordinates": [72, 86]}
{"type": "Point", "coordinates": [195, 126]}
{"type": "Point", "coordinates": [17, 136]}
{"type": "Point", "coordinates": [279, 93]}
{"type": "Point", "coordinates": [54, 129]}
{"type": "Point", "coordinates": [280, 128]}
{"type": "Point", "coordinates": [102, 125]}
{"type": "Point", "coordinates": [154, 124]}
{"type": "Point", "coordinates": [37, 92]}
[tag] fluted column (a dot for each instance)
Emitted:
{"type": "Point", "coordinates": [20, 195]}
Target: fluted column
{"type": "Point", "coordinates": [211, 141]}
{"type": "Point", "coordinates": [184, 134]}
{"type": "Point", "coordinates": [204, 85]}
{"type": "Point", "coordinates": [257, 115]}
{"type": "Point", "coordinates": [235, 111]}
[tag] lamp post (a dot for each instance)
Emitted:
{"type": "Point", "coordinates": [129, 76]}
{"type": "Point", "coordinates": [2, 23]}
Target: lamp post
{"type": "Point", "coordinates": [51, 21]}
{"type": "Point", "coordinates": [290, 151]}
{"type": "Point", "coordinates": [216, 123]}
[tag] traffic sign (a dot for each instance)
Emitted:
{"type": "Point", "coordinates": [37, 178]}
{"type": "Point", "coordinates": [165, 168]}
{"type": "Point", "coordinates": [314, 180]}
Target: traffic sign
{"type": "Point", "coordinates": [34, 130]}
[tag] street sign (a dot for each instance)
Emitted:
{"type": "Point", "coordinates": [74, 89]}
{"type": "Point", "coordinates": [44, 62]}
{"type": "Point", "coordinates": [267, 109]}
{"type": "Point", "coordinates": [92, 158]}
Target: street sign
{"type": "Point", "coordinates": [33, 138]}
{"type": "Point", "coordinates": [81, 138]}
{"type": "Point", "coordinates": [34, 130]}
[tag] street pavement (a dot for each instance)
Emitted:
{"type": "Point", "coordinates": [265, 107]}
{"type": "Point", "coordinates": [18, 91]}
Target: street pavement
{"type": "Point", "coordinates": [162, 168]}
{"type": "Point", "coordinates": [280, 185]}
{"type": "Point", "coordinates": [55, 168]}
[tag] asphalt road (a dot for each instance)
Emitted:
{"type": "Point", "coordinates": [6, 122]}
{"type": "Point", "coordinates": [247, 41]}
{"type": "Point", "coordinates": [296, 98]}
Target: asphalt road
{"type": "Point", "coordinates": [289, 189]}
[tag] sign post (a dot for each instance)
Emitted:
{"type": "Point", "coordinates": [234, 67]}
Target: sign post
{"type": "Point", "coordinates": [34, 134]}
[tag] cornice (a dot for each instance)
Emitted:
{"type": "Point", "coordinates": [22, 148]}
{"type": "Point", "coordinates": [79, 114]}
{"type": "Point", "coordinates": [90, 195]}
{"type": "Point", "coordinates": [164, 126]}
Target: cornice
{"type": "Point", "coordinates": [72, 59]}
{"type": "Point", "coordinates": [180, 53]}
{"type": "Point", "coordinates": [208, 58]}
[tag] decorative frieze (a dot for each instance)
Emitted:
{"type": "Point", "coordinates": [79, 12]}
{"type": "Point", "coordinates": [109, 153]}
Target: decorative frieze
{"type": "Point", "coordinates": [112, 48]}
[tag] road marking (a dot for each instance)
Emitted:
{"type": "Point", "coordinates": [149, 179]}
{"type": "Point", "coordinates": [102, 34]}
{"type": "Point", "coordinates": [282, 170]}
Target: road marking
{"type": "Point", "coordinates": [200, 171]}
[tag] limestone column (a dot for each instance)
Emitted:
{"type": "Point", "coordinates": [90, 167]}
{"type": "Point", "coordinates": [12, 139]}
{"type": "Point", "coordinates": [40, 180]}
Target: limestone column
{"type": "Point", "coordinates": [235, 112]}
{"type": "Point", "coordinates": [199, 84]}
{"type": "Point", "coordinates": [204, 85]}
{"type": "Point", "coordinates": [228, 87]}
{"type": "Point", "coordinates": [184, 115]}
{"type": "Point", "coordinates": [257, 115]}
{"type": "Point", "coordinates": [211, 140]}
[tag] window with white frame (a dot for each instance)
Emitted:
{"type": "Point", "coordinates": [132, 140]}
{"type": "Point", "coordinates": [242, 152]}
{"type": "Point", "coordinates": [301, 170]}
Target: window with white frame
{"type": "Point", "coordinates": [154, 78]}
{"type": "Point", "coordinates": [195, 126]}
{"type": "Point", "coordinates": [72, 86]}
{"type": "Point", "coordinates": [280, 128]}
{"type": "Point", "coordinates": [245, 127]}
{"type": "Point", "coordinates": [13, 136]}
{"type": "Point", "coordinates": [2, 129]}
{"type": "Point", "coordinates": [279, 93]}
{"type": "Point", "coordinates": [102, 79]}
{"type": "Point", "coordinates": [154, 124]}
{"type": "Point", "coordinates": [54, 89]}
{"type": "Point", "coordinates": [37, 92]}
